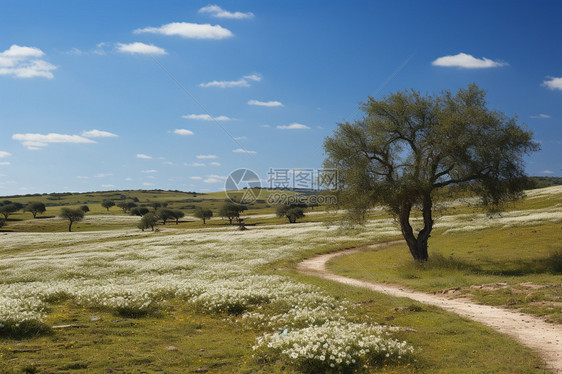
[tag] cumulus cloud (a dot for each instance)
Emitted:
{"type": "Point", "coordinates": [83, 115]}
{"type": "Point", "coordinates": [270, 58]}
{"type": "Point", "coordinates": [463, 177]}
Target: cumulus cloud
{"type": "Point", "coordinates": [547, 172]}
{"type": "Point", "coordinates": [241, 150]}
{"type": "Point", "coordinates": [217, 12]}
{"type": "Point", "coordinates": [294, 126]}
{"type": "Point", "coordinates": [150, 171]}
{"type": "Point", "coordinates": [214, 163]}
{"type": "Point", "coordinates": [4, 163]}
{"type": "Point", "coordinates": [143, 156]}
{"type": "Point", "coordinates": [214, 179]}
{"type": "Point", "coordinates": [553, 83]}
{"type": "Point", "coordinates": [188, 30]}
{"type": "Point", "coordinates": [37, 141]}
{"type": "Point", "coordinates": [140, 48]}
{"type": "Point", "coordinates": [242, 82]}
{"type": "Point", "coordinates": [102, 175]}
{"type": "Point", "coordinates": [4, 154]}
{"type": "Point", "coordinates": [265, 103]}
{"type": "Point", "coordinates": [203, 157]}
{"type": "Point", "coordinates": [98, 134]}
{"type": "Point", "coordinates": [466, 61]}
{"type": "Point", "coordinates": [82, 177]}
{"type": "Point", "coordinates": [183, 132]}
{"type": "Point", "coordinates": [197, 164]}
{"type": "Point", "coordinates": [25, 62]}
{"type": "Point", "coordinates": [147, 184]}
{"type": "Point", "coordinates": [541, 116]}
{"type": "Point", "coordinates": [205, 117]}
{"type": "Point", "coordinates": [196, 178]}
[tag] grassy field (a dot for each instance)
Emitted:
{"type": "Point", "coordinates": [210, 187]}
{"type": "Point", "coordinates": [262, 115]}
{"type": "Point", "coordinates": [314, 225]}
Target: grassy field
{"type": "Point", "coordinates": [514, 260]}
{"type": "Point", "coordinates": [198, 298]}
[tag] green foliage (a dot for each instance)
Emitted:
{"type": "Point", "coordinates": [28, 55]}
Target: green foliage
{"type": "Point", "coordinates": [35, 207]}
{"type": "Point", "coordinates": [177, 215]}
{"type": "Point", "coordinates": [231, 211]}
{"type": "Point", "coordinates": [291, 212]}
{"type": "Point", "coordinates": [139, 211]}
{"type": "Point", "coordinates": [165, 214]}
{"type": "Point", "coordinates": [84, 208]}
{"type": "Point", "coordinates": [107, 204]}
{"type": "Point", "coordinates": [72, 215]}
{"type": "Point", "coordinates": [7, 208]}
{"type": "Point", "coordinates": [23, 329]}
{"type": "Point", "coordinates": [203, 213]}
{"type": "Point", "coordinates": [408, 146]}
{"type": "Point", "coordinates": [126, 205]}
{"type": "Point", "coordinates": [148, 220]}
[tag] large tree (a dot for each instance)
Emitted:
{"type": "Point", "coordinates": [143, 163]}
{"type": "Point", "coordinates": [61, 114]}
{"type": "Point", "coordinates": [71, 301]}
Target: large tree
{"type": "Point", "coordinates": [291, 211]}
{"type": "Point", "coordinates": [72, 215]}
{"type": "Point", "coordinates": [35, 207]}
{"type": "Point", "coordinates": [203, 213]}
{"type": "Point", "coordinates": [231, 211]}
{"type": "Point", "coordinates": [408, 146]}
{"type": "Point", "coordinates": [107, 204]}
{"type": "Point", "coordinates": [7, 208]}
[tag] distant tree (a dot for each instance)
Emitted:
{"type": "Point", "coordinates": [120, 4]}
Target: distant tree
{"type": "Point", "coordinates": [291, 212]}
{"type": "Point", "coordinates": [149, 220]}
{"type": "Point", "coordinates": [35, 207]}
{"type": "Point", "coordinates": [2, 223]}
{"type": "Point", "coordinates": [409, 146]}
{"type": "Point", "coordinates": [7, 209]}
{"type": "Point", "coordinates": [72, 215]}
{"type": "Point", "coordinates": [177, 214]}
{"type": "Point", "coordinates": [203, 213]}
{"type": "Point", "coordinates": [126, 205]}
{"type": "Point", "coordinates": [165, 214]}
{"type": "Point", "coordinates": [156, 205]}
{"type": "Point", "coordinates": [85, 208]}
{"type": "Point", "coordinates": [231, 211]}
{"type": "Point", "coordinates": [107, 204]}
{"type": "Point", "coordinates": [135, 199]}
{"type": "Point", "coordinates": [139, 211]}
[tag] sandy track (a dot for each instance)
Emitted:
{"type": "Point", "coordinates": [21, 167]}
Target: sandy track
{"type": "Point", "coordinates": [544, 338]}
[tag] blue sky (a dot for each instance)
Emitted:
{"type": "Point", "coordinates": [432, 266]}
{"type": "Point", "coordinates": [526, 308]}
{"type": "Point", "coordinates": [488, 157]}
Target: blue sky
{"type": "Point", "coordinates": [278, 76]}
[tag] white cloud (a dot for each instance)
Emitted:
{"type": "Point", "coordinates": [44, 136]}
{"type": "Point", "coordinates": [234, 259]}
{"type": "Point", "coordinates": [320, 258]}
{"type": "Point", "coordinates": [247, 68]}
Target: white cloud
{"type": "Point", "coordinates": [107, 185]}
{"type": "Point", "coordinates": [196, 178]}
{"type": "Point", "coordinates": [547, 172]}
{"type": "Point", "coordinates": [197, 164]}
{"type": "Point", "coordinates": [143, 156]}
{"type": "Point", "coordinates": [183, 132]}
{"type": "Point", "coordinates": [98, 134]}
{"type": "Point", "coordinates": [147, 184]}
{"type": "Point", "coordinates": [128, 179]}
{"type": "Point", "coordinates": [214, 163]}
{"type": "Point", "coordinates": [265, 103]}
{"type": "Point", "coordinates": [214, 179]}
{"type": "Point", "coordinates": [205, 117]}
{"type": "Point", "coordinates": [463, 60]}
{"type": "Point", "coordinates": [167, 163]}
{"type": "Point", "coordinates": [4, 163]}
{"type": "Point", "coordinates": [141, 48]}
{"type": "Point", "coordinates": [240, 150]}
{"type": "Point", "coordinates": [101, 175]}
{"type": "Point", "coordinates": [242, 82]}
{"type": "Point", "coordinates": [218, 12]}
{"type": "Point", "coordinates": [294, 126]}
{"type": "Point", "coordinates": [82, 177]}
{"type": "Point", "coordinates": [553, 83]}
{"type": "Point", "coordinates": [150, 171]}
{"type": "Point", "coordinates": [25, 62]}
{"type": "Point", "coordinates": [188, 30]}
{"type": "Point", "coordinates": [36, 141]}
{"type": "Point", "coordinates": [202, 157]}
{"type": "Point", "coordinates": [266, 126]}
{"type": "Point", "coordinates": [4, 154]}
{"type": "Point", "coordinates": [240, 138]}
{"type": "Point", "coordinates": [541, 116]}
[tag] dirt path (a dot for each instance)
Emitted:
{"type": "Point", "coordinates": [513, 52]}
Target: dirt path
{"type": "Point", "coordinates": [544, 338]}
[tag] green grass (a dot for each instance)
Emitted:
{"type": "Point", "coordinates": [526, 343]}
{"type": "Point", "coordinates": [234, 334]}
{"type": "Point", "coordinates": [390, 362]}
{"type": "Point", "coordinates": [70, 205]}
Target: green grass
{"type": "Point", "coordinates": [511, 255]}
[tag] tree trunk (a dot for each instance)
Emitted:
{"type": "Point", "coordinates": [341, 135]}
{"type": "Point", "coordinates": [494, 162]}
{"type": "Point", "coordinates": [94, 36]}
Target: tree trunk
{"type": "Point", "coordinates": [417, 246]}
{"type": "Point", "coordinates": [70, 227]}
{"type": "Point", "coordinates": [34, 214]}
{"type": "Point", "coordinates": [203, 220]}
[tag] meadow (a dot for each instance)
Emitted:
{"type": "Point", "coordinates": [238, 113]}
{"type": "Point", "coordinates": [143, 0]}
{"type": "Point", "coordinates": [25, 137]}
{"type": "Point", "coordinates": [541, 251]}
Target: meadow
{"type": "Point", "coordinates": [194, 298]}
